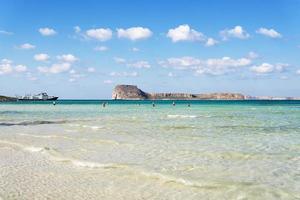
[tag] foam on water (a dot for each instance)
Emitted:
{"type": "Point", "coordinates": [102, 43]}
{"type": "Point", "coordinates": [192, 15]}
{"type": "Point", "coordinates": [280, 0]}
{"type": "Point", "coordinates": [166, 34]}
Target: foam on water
{"type": "Point", "coordinates": [182, 116]}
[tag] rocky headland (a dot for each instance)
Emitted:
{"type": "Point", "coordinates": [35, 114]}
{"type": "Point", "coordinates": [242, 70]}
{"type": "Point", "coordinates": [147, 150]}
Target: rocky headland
{"type": "Point", "coordinates": [5, 98]}
{"type": "Point", "coordinates": [132, 92]}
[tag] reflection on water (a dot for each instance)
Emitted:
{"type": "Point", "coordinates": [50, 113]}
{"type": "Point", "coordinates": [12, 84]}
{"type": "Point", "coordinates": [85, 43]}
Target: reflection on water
{"type": "Point", "coordinates": [129, 151]}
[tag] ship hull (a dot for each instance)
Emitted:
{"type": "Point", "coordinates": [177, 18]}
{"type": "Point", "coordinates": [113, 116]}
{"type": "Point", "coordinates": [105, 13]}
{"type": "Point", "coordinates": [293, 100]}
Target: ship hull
{"type": "Point", "coordinates": [49, 99]}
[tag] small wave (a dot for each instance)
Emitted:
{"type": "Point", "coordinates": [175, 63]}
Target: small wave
{"type": "Point", "coordinates": [44, 136]}
{"type": "Point", "coordinates": [54, 155]}
{"type": "Point", "coordinates": [23, 147]}
{"type": "Point", "coordinates": [170, 179]}
{"type": "Point", "coordinates": [29, 123]}
{"type": "Point", "coordinates": [182, 116]}
{"type": "Point", "coordinates": [87, 126]}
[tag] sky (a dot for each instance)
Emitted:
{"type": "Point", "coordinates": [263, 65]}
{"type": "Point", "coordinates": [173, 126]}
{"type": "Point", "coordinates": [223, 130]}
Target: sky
{"type": "Point", "coordinates": [82, 49]}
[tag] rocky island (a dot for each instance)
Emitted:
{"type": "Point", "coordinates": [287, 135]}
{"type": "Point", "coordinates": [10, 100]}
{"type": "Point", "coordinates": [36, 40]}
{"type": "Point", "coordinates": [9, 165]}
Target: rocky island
{"type": "Point", "coordinates": [132, 92]}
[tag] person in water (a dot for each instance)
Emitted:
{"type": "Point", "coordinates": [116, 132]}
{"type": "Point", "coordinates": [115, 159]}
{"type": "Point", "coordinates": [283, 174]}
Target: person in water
{"type": "Point", "coordinates": [54, 103]}
{"type": "Point", "coordinates": [173, 103]}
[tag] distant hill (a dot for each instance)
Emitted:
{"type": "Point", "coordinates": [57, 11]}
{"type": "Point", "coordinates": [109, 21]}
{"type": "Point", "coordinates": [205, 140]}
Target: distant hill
{"type": "Point", "coordinates": [134, 93]}
{"type": "Point", "coordinates": [5, 98]}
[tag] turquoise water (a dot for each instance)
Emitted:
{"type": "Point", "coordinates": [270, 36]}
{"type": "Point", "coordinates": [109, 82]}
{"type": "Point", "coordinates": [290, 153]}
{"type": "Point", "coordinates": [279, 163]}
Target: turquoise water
{"type": "Point", "coordinates": [132, 150]}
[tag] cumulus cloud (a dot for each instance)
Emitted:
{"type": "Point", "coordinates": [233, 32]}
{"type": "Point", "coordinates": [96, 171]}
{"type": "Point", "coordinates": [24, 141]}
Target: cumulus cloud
{"type": "Point", "coordinates": [252, 55]}
{"type": "Point", "coordinates": [101, 48]}
{"type": "Point", "coordinates": [269, 33]}
{"type": "Point", "coordinates": [47, 31]}
{"type": "Point", "coordinates": [26, 46]}
{"type": "Point", "coordinates": [236, 32]}
{"type": "Point", "coordinates": [134, 49]}
{"type": "Point", "coordinates": [124, 74]}
{"type": "Point", "coordinates": [139, 64]}
{"type": "Point", "coordinates": [55, 68]}
{"type": "Point", "coordinates": [77, 29]}
{"type": "Point", "coordinates": [3, 32]}
{"type": "Point", "coordinates": [171, 74]}
{"type": "Point", "coordinates": [211, 42]}
{"type": "Point", "coordinates": [41, 57]}
{"type": "Point", "coordinates": [264, 68]}
{"type": "Point", "coordinates": [101, 34]}
{"type": "Point", "coordinates": [107, 81]}
{"type": "Point", "coordinates": [20, 68]}
{"type": "Point", "coordinates": [134, 64]}
{"type": "Point", "coordinates": [7, 67]}
{"type": "Point", "coordinates": [69, 58]}
{"type": "Point", "coordinates": [212, 66]}
{"type": "Point", "coordinates": [185, 33]}
{"type": "Point", "coordinates": [119, 60]}
{"type": "Point", "coordinates": [134, 33]}
{"type": "Point", "coordinates": [281, 67]}
{"type": "Point", "coordinates": [91, 69]}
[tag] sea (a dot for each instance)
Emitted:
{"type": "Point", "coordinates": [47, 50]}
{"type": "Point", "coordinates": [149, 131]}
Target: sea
{"type": "Point", "coordinates": [134, 150]}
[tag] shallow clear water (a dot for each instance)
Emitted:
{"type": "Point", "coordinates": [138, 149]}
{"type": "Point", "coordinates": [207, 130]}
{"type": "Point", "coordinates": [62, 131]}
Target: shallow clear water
{"type": "Point", "coordinates": [131, 150]}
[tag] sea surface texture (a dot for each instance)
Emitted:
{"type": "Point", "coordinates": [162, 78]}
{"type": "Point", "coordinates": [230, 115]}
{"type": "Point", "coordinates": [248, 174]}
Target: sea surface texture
{"type": "Point", "coordinates": [132, 150]}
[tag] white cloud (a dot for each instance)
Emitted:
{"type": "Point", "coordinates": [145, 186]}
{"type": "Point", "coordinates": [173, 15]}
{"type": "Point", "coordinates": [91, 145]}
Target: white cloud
{"type": "Point", "coordinates": [41, 57]}
{"type": "Point", "coordinates": [31, 77]}
{"type": "Point", "coordinates": [181, 63]}
{"type": "Point", "coordinates": [91, 69]}
{"type": "Point", "coordinates": [3, 32]}
{"type": "Point", "coordinates": [139, 64]}
{"type": "Point", "coordinates": [101, 48]}
{"type": "Point", "coordinates": [170, 74]}
{"type": "Point", "coordinates": [298, 72]}
{"type": "Point", "coordinates": [236, 32]}
{"type": "Point", "coordinates": [134, 33]}
{"type": "Point", "coordinates": [107, 81]}
{"type": "Point", "coordinates": [47, 31]}
{"type": "Point", "coordinates": [284, 77]}
{"type": "Point", "coordinates": [252, 55]}
{"type": "Point", "coordinates": [134, 49]}
{"type": "Point", "coordinates": [7, 67]}
{"type": "Point", "coordinates": [264, 68]}
{"type": "Point", "coordinates": [119, 60]}
{"type": "Point", "coordinates": [269, 33]}
{"type": "Point", "coordinates": [20, 68]}
{"type": "Point", "coordinates": [211, 42]}
{"type": "Point", "coordinates": [72, 71]}
{"type": "Point", "coordinates": [77, 29]}
{"type": "Point", "coordinates": [124, 74]}
{"type": "Point", "coordinates": [101, 34]}
{"type": "Point", "coordinates": [26, 46]}
{"type": "Point", "coordinates": [212, 66]}
{"type": "Point", "coordinates": [67, 58]}
{"type": "Point", "coordinates": [55, 68]}
{"type": "Point", "coordinates": [74, 76]}
{"type": "Point", "coordinates": [281, 67]}
{"type": "Point", "coordinates": [185, 33]}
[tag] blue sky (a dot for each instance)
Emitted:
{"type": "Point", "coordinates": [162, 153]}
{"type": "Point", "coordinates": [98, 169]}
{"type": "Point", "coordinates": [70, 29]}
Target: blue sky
{"type": "Point", "coordinates": [82, 49]}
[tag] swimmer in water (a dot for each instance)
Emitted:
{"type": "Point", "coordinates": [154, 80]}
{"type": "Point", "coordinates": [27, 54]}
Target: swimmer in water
{"type": "Point", "coordinates": [173, 103]}
{"type": "Point", "coordinates": [153, 104]}
{"type": "Point", "coordinates": [54, 103]}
